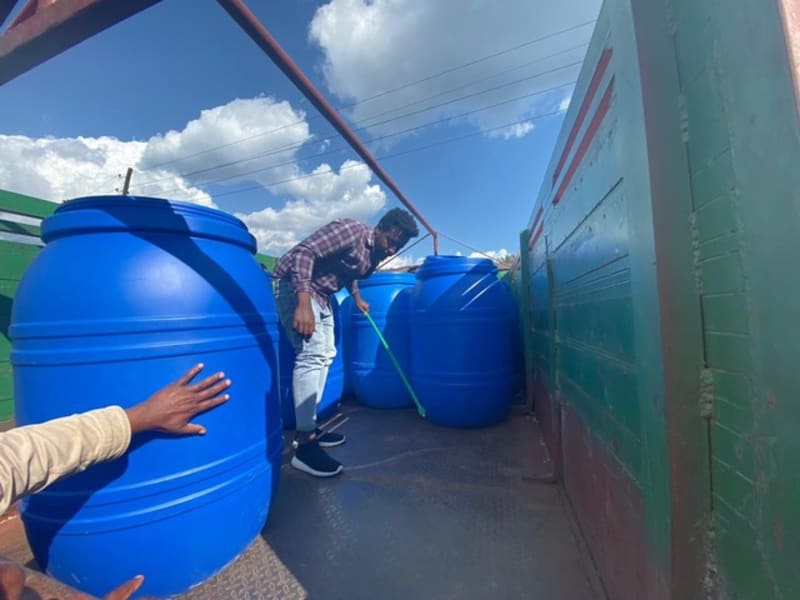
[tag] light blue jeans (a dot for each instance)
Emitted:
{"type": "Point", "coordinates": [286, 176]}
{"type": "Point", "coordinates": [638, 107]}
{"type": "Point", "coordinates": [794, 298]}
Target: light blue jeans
{"type": "Point", "coordinates": [313, 356]}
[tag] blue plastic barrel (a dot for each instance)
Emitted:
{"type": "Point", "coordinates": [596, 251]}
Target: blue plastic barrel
{"type": "Point", "coordinates": [346, 328]}
{"type": "Point", "coordinates": [334, 385]}
{"type": "Point", "coordinates": [126, 296]}
{"type": "Point", "coordinates": [376, 382]}
{"type": "Point", "coordinates": [461, 363]}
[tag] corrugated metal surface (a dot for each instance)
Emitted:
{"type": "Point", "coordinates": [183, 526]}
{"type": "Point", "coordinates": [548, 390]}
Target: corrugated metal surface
{"type": "Point", "coordinates": [430, 513]}
{"type": "Point", "coordinates": [663, 297]}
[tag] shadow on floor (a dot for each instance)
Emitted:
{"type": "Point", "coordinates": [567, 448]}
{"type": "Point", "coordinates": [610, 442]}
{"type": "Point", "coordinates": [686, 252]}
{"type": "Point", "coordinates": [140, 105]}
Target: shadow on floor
{"type": "Point", "coordinates": [420, 512]}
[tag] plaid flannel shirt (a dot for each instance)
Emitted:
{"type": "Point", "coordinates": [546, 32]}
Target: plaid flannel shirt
{"type": "Point", "coordinates": [331, 258]}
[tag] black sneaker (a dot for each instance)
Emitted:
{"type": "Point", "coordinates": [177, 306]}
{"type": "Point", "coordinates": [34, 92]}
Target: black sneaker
{"type": "Point", "coordinates": [312, 459]}
{"type": "Point", "coordinates": [328, 439]}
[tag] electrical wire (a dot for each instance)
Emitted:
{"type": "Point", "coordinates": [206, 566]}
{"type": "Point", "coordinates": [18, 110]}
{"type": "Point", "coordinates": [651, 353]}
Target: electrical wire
{"type": "Point", "coordinates": [381, 94]}
{"type": "Point", "coordinates": [344, 148]}
{"type": "Point", "coordinates": [364, 127]}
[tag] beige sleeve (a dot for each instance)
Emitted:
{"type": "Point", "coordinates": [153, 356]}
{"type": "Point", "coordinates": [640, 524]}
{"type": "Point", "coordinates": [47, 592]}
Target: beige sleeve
{"type": "Point", "coordinates": [34, 456]}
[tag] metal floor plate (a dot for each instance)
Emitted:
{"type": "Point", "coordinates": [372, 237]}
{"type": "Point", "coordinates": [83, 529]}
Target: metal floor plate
{"type": "Point", "coordinates": [420, 511]}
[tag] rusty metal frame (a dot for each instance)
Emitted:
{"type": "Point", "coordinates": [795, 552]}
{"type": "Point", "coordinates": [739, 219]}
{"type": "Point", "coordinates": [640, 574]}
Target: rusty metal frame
{"type": "Point", "coordinates": [57, 27]}
{"type": "Point", "coordinates": [259, 34]}
{"type": "Point", "coordinates": [41, 32]}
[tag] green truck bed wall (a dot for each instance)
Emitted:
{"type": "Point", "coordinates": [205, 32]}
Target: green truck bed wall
{"type": "Point", "coordinates": [663, 299]}
{"type": "Point", "coordinates": [19, 244]}
{"type": "Point", "coordinates": [743, 153]}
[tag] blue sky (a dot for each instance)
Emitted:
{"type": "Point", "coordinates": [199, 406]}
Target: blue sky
{"type": "Point", "coordinates": [179, 90]}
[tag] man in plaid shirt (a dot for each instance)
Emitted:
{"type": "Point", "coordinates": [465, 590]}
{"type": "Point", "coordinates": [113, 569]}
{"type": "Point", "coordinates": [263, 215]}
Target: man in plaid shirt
{"type": "Point", "coordinates": [333, 257]}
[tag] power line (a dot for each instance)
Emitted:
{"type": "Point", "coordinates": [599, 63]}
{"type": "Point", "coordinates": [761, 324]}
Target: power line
{"type": "Point", "coordinates": [403, 251]}
{"type": "Point", "coordinates": [394, 155]}
{"type": "Point", "coordinates": [473, 95]}
{"type": "Point", "coordinates": [466, 85]}
{"type": "Point", "coordinates": [474, 62]}
{"type": "Point", "coordinates": [381, 94]}
{"type": "Point", "coordinates": [468, 247]}
{"type": "Point", "coordinates": [290, 147]}
{"type": "Point", "coordinates": [341, 148]}
{"type": "Point", "coordinates": [379, 138]}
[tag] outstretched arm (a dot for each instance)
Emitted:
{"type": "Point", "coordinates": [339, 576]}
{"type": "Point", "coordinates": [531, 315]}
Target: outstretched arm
{"type": "Point", "coordinates": [34, 456]}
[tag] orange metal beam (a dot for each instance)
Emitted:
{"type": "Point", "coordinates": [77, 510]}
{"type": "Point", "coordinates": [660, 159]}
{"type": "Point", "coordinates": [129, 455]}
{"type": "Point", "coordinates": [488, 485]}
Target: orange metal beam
{"type": "Point", "coordinates": [50, 29]}
{"type": "Point", "coordinates": [259, 34]}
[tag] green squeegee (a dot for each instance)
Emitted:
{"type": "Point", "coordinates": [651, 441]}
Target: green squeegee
{"type": "Point", "coordinates": [420, 408]}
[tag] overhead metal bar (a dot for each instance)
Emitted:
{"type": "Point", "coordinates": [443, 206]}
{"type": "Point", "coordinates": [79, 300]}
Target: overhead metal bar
{"type": "Point", "coordinates": [259, 34]}
{"type": "Point", "coordinates": [44, 29]}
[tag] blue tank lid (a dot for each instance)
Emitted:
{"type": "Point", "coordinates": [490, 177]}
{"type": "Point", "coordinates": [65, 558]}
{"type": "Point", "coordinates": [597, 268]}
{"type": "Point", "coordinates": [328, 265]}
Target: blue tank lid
{"type": "Point", "coordinates": [449, 265]}
{"type": "Point", "coordinates": [387, 278]}
{"type": "Point", "coordinates": [140, 214]}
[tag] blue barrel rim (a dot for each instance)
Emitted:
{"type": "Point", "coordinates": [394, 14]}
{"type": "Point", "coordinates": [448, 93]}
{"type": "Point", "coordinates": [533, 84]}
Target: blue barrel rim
{"type": "Point", "coordinates": [387, 278]}
{"type": "Point", "coordinates": [94, 214]}
{"type": "Point", "coordinates": [451, 264]}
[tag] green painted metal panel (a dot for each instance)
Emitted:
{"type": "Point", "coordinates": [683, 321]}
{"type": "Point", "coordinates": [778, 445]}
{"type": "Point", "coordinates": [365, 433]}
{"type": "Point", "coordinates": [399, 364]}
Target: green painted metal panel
{"type": "Point", "coordinates": [15, 256]}
{"type": "Point", "coordinates": [743, 141]}
{"type": "Point", "coordinates": [595, 282]}
{"type": "Point", "coordinates": [623, 244]}
{"type": "Point", "coordinates": [267, 261]}
{"type": "Point", "coordinates": [19, 228]}
{"type": "Point", "coordinates": [713, 180]}
{"type": "Point", "coordinates": [722, 274]}
{"type": "Point", "coordinates": [14, 259]}
{"type": "Point", "coordinates": [526, 316]}
{"type": "Point", "coordinates": [6, 395]}
{"type": "Point", "coordinates": [677, 351]}
{"type": "Point", "coordinates": [25, 205]}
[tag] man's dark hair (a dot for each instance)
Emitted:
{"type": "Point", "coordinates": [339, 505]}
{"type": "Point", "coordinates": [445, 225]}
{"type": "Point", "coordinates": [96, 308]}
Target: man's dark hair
{"type": "Point", "coordinates": [401, 220]}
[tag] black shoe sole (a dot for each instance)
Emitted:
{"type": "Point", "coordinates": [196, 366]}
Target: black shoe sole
{"type": "Point", "coordinates": [332, 444]}
{"type": "Point", "coordinates": [301, 466]}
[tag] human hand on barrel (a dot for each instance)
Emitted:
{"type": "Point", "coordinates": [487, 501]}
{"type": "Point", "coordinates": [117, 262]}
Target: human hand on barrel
{"type": "Point", "coordinates": [123, 592]}
{"type": "Point", "coordinates": [12, 585]}
{"type": "Point", "coordinates": [172, 407]}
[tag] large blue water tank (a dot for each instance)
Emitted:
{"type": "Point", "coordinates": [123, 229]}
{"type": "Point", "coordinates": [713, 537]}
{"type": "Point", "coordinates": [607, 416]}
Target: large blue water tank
{"type": "Point", "coordinates": [461, 362]}
{"type": "Point", "coordinates": [334, 386]}
{"type": "Point", "coordinates": [376, 382]}
{"type": "Point", "coordinates": [346, 321]}
{"type": "Point", "coordinates": [126, 296]}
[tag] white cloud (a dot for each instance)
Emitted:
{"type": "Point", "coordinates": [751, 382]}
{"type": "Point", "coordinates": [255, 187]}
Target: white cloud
{"type": "Point", "coordinates": [402, 261]}
{"type": "Point", "coordinates": [59, 169]}
{"type": "Point", "coordinates": [316, 201]}
{"type": "Point", "coordinates": [173, 165]}
{"type": "Point", "coordinates": [371, 46]}
{"type": "Point", "coordinates": [515, 131]}
{"type": "Point", "coordinates": [255, 138]}
{"type": "Point", "coordinates": [493, 254]}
